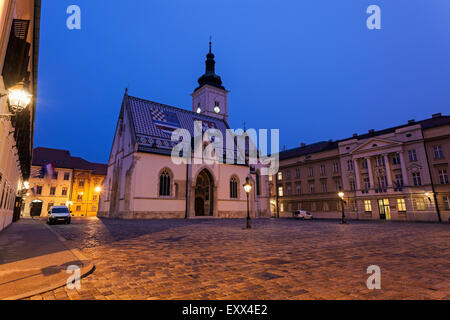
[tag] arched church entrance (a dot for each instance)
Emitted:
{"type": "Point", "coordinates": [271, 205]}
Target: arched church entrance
{"type": "Point", "coordinates": [204, 194]}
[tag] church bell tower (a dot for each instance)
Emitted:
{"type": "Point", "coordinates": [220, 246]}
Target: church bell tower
{"type": "Point", "coordinates": [210, 98]}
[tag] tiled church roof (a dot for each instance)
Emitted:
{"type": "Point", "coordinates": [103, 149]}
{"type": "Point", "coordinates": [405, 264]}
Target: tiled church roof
{"type": "Point", "coordinates": [153, 123]}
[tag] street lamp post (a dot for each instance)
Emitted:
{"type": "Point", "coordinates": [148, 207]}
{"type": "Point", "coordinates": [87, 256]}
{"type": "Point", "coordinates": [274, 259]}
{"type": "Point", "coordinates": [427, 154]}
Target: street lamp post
{"type": "Point", "coordinates": [248, 188]}
{"type": "Point", "coordinates": [341, 195]}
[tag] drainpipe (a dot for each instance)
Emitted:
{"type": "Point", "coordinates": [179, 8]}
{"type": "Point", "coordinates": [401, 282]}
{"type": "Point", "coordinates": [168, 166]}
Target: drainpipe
{"type": "Point", "coordinates": [186, 214]}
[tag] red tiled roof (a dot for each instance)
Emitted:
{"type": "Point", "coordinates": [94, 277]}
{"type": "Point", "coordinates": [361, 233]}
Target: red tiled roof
{"type": "Point", "coordinates": [63, 159]}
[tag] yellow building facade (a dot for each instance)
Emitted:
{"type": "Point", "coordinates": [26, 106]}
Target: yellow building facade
{"type": "Point", "coordinates": [58, 179]}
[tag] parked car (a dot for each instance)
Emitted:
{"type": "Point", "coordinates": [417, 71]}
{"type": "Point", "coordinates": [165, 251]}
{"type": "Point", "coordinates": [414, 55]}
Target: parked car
{"type": "Point", "coordinates": [302, 214]}
{"type": "Point", "coordinates": [59, 214]}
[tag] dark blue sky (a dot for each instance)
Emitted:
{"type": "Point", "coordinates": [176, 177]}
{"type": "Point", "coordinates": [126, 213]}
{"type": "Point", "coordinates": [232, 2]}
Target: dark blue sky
{"type": "Point", "coordinates": [310, 68]}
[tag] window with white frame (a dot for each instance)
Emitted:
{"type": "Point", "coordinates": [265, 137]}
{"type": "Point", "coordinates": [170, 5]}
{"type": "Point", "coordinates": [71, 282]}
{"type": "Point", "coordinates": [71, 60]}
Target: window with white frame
{"type": "Point", "coordinates": [310, 172]}
{"type": "Point", "coordinates": [335, 167]}
{"type": "Point", "coordinates": [322, 169]}
{"type": "Point", "coordinates": [396, 159]}
{"type": "Point", "coordinates": [349, 165]}
{"type": "Point", "coordinates": [438, 152]}
{"type": "Point", "coordinates": [299, 189]}
{"type": "Point", "coordinates": [412, 155]}
{"type": "Point", "coordinates": [417, 180]}
{"type": "Point", "coordinates": [443, 176]}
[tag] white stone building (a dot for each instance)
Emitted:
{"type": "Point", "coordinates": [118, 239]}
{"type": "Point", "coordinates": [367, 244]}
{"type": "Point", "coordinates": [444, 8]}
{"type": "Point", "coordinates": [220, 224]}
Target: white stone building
{"type": "Point", "coordinates": [143, 181]}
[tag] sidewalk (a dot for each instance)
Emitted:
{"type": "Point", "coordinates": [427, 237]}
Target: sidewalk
{"type": "Point", "coordinates": [34, 259]}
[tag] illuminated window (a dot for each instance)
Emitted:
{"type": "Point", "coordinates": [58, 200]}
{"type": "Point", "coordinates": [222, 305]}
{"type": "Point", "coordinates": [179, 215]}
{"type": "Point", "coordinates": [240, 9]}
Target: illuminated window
{"type": "Point", "coordinates": [367, 206]}
{"type": "Point", "coordinates": [420, 204]}
{"type": "Point", "coordinates": [401, 205]}
{"type": "Point", "coordinates": [281, 207]}
{"type": "Point", "coordinates": [280, 176]}
{"type": "Point", "coordinates": [280, 191]}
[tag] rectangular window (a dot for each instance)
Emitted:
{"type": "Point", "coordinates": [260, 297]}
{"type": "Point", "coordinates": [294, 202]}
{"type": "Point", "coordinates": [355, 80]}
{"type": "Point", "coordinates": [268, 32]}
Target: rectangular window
{"type": "Point", "coordinates": [379, 161]}
{"type": "Point", "coordinates": [270, 178]}
{"type": "Point", "coordinates": [446, 202]}
{"type": "Point", "coordinates": [288, 190]}
{"type": "Point", "coordinates": [78, 208]}
{"type": "Point", "coordinates": [95, 197]}
{"type": "Point", "coordinates": [322, 170]}
{"type": "Point", "coordinates": [297, 173]}
{"type": "Point", "coordinates": [80, 197]}
{"type": "Point", "coordinates": [280, 176]}
{"type": "Point", "coordinates": [398, 181]}
{"type": "Point", "coordinates": [310, 172]}
{"type": "Point", "coordinates": [81, 183]}
{"type": "Point", "coordinates": [66, 176]}
{"type": "Point", "coordinates": [288, 174]}
{"type": "Point", "coordinates": [39, 190]}
{"type": "Point", "coordinates": [335, 167]}
{"type": "Point", "coordinates": [55, 175]}
{"type": "Point", "coordinates": [299, 189]}
{"type": "Point", "coordinates": [419, 203]}
{"type": "Point", "coordinates": [64, 192]}
{"type": "Point", "coordinates": [338, 185]}
{"type": "Point", "coordinates": [366, 183]}
{"type": "Point", "coordinates": [412, 155]}
{"type": "Point", "coordinates": [417, 180]}
{"type": "Point", "coordinates": [312, 188]}
{"type": "Point", "coordinates": [438, 153]}
{"type": "Point", "coordinates": [280, 191]}
{"type": "Point", "coordinates": [281, 207]}
{"type": "Point", "coordinates": [365, 164]}
{"type": "Point", "coordinates": [324, 187]}
{"type": "Point", "coordinates": [401, 205]}
{"type": "Point", "coordinates": [352, 185]}
{"type": "Point", "coordinates": [443, 176]}
{"type": "Point", "coordinates": [52, 191]}
{"type": "Point", "coordinates": [349, 165]}
{"type": "Point", "coordinates": [396, 159]}
{"type": "Point", "coordinates": [367, 206]}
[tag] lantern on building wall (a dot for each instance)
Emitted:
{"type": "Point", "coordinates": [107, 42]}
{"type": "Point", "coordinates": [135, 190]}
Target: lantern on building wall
{"type": "Point", "coordinates": [18, 98]}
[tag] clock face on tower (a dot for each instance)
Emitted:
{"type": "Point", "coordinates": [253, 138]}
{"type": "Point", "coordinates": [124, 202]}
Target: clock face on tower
{"type": "Point", "coordinates": [216, 109]}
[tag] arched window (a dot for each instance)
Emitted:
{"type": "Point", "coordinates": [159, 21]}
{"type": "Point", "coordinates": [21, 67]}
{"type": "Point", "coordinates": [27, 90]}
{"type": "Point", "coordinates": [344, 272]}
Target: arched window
{"type": "Point", "coordinates": [234, 188]}
{"type": "Point", "coordinates": [164, 184]}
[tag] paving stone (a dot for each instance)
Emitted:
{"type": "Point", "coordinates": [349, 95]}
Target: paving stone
{"type": "Point", "coordinates": [277, 259]}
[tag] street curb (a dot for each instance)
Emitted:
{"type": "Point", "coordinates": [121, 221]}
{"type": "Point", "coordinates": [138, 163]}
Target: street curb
{"type": "Point", "coordinates": [84, 272]}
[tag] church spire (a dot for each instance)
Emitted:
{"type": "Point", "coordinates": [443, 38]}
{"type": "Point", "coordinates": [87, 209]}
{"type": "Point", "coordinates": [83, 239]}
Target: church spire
{"type": "Point", "coordinates": [210, 77]}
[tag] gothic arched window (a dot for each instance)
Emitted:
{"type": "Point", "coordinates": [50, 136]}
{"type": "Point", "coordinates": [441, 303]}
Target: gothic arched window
{"type": "Point", "coordinates": [234, 188]}
{"type": "Point", "coordinates": [164, 184]}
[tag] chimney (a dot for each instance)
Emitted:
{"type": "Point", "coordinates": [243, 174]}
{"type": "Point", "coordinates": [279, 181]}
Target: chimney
{"type": "Point", "coordinates": [437, 115]}
{"type": "Point", "coordinates": [371, 130]}
{"type": "Point", "coordinates": [302, 145]}
{"type": "Point", "coordinates": [412, 121]}
{"type": "Point", "coordinates": [355, 135]}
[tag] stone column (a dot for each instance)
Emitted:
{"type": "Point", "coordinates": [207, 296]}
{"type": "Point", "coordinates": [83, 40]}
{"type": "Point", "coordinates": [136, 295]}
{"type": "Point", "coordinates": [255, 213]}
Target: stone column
{"type": "Point", "coordinates": [388, 170]}
{"type": "Point", "coordinates": [403, 167]}
{"type": "Point", "coordinates": [358, 177]}
{"type": "Point", "coordinates": [369, 168]}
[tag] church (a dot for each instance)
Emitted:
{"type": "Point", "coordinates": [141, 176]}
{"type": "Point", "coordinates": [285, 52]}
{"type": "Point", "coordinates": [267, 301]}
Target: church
{"type": "Point", "coordinates": [143, 181]}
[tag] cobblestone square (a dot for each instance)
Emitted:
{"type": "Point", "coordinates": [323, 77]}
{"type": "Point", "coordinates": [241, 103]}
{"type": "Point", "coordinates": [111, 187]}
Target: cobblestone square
{"type": "Point", "coordinates": [277, 259]}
